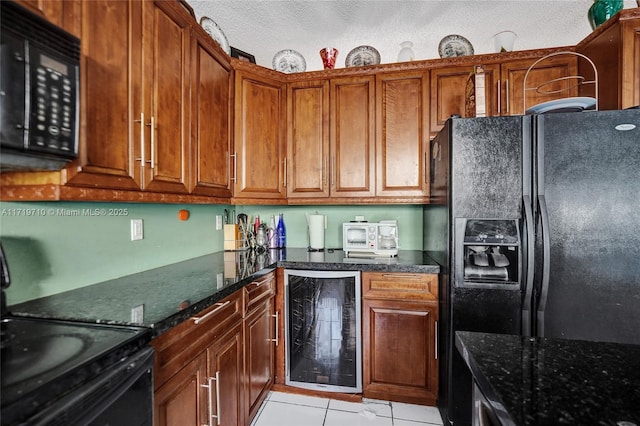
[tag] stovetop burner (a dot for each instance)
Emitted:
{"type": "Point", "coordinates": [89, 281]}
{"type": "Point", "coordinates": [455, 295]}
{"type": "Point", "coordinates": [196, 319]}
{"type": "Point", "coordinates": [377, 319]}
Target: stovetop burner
{"type": "Point", "coordinates": [37, 353]}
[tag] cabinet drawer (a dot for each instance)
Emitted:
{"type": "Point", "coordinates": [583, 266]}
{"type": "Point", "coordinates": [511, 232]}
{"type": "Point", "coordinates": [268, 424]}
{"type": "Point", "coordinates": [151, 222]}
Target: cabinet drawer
{"type": "Point", "coordinates": [259, 290]}
{"type": "Point", "coordinates": [400, 286]}
{"type": "Point", "coordinates": [178, 346]}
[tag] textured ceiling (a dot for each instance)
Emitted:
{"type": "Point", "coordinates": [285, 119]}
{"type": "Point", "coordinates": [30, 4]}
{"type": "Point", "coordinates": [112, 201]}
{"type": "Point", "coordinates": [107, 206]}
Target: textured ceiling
{"type": "Point", "coordinates": [262, 28]}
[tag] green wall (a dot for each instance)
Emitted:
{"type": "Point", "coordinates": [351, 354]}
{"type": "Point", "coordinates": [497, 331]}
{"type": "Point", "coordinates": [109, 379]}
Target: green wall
{"type": "Point", "coordinates": [53, 247]}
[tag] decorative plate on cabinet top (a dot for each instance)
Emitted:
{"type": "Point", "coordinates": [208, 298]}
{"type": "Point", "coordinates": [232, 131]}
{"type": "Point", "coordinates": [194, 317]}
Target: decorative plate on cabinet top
{"type": "Point", "coordinates": [289, 61]}
{"type": "Point", "coordinates": [454, 45]}
{"type": "Point", "coordinates": [216, 33]}
{"type": "Point", "coordinates": [362, 56]}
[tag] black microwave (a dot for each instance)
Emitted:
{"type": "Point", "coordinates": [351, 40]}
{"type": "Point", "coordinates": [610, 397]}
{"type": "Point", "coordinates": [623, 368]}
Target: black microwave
{"type": "Point", "coordinates": [39, 92]}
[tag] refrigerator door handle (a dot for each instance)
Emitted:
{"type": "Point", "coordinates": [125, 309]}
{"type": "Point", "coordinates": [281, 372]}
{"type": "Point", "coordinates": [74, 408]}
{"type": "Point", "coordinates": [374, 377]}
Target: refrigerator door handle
{"type": "Point", "coordinates": [546, 265]}
{"type": "Point", "coordinates": [528, 283]}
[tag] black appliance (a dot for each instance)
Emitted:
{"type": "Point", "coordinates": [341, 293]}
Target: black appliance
{"type": "Point", "coordinates": [39, 87]}
{"type": "Point", "coordinates": [323, 330]}
{"type": "Point", "coordinates": [71, 373]}
{"type": "Point", "coordinates": [534, 221]}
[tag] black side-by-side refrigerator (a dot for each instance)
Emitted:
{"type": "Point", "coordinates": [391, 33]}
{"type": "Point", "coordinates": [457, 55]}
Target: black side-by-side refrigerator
{"type": "Point", "coordinates": [535, 221]}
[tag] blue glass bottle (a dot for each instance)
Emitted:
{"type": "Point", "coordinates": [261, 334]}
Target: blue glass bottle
{"type": "Point", "coordinates": [281, 232]}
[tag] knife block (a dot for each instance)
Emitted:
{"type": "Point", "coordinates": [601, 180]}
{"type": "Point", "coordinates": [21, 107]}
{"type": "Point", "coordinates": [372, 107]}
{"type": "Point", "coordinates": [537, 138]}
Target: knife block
{"type": "Point", "coordinates": [232, 237]}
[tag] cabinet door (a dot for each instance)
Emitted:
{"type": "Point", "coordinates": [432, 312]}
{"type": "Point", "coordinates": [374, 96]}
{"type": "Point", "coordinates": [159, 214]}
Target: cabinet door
{"type": "Point", "coordinates": [166, 72]}
{"type": "Point", "coordinates": [448, 92]}
{"type": "Point", "coordinates": [308, 139]}
{"type": "Point", "coordinates": [352, 137]}
{"type": "Point", "coordinates": [210, 120]}
{"type": "Point", "coordinates": [402, 136]}
{"type": "Point", "coordinates": [111, 100]}
{"type": "Point", "coordinates": [259, 355]}
{"type": "Point", "coordinates": [549, 76]}
{"type": "Point", "coordinates": [225, 364]}
{"type": "Point", "coordinates": [182, 400]}
{"type": "Point", "coordinates": [615, 52]}
{"type": "Point", "coordinates": [63, 13]}
{"type": "Point", "coordinates": [393, 329]}
{"type": "Point", "coordinates": [259, 137]}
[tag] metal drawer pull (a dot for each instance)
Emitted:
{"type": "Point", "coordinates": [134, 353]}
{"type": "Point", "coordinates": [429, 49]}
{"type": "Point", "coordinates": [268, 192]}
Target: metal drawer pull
{"type": "Point", "coordinates": [198, 320]}
{"type": "Point", "coordinates": [276, 317]}
{"type": "Point", "coordinates": [400, 275]}
{"type": "Point", "coordinates": [259, 283]}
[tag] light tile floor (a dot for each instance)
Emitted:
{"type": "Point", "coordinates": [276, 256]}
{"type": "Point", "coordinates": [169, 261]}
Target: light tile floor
{"type": "Point", "coordinates": [284, 409]}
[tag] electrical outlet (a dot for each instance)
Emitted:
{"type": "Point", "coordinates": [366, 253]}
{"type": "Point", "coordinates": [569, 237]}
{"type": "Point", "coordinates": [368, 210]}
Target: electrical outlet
{"type": "Point", "coordinates": [218, 222]}
{"type": "Point", "coordinates": [137, 231]}
{"type": "Point", "coordinates": [137, 314]}
{"type": "Point", "coordinates": [219, 280]}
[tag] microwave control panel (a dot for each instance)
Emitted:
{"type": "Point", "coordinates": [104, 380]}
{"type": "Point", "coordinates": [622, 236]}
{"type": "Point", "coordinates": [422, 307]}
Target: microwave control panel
{"type": "Point", "coordinates": [53, 118]}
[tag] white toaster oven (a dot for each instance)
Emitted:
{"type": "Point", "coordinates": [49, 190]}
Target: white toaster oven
{"type": "Point", "coordinates": [370, 238]}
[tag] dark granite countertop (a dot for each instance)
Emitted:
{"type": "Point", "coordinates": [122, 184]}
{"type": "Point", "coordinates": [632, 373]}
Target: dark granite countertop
{"type": "Point", "coordinates": [174, 293]}
{"type": "Point", "coordinates": [540, 381]}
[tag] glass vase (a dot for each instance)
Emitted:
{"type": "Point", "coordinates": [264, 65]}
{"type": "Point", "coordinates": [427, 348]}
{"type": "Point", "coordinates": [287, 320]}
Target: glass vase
{"type": "Point", "coordinates": [406, 53]}
{"type": "Point", "coordinates": [601, 10]}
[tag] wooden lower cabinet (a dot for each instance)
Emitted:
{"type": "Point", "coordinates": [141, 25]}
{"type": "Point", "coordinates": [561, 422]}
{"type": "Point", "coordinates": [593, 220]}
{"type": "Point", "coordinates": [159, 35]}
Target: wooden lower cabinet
{"type": "Point", "coordinates": [180, 400]}
{"type": "Point", "coordinates": [191, 396]}
{"type": "Point", "coordinates": [400, 316]}
{"type": "Point", "coordinates": [259, 356]}
{"type": "Point", "coordinates": [219, 369]}
{"type": "Point", "coordinates": [226, 371]}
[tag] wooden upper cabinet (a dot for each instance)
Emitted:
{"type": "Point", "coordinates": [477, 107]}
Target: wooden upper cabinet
{"type": "Point", "coordinates": [210, 120]}
{"type": "Point", "coordinates": [448, 92]}
{"type": "Point", "coordinates": [166, 95]}
{"type": "Point", "coordinates": [63, 13]}
{"type": "Point", "coordinates": [259, 137]}
{"type": "Point", "coordinates": [402, 136]}
{"type": "Point", "coordinates": [615, 50]}
{"type": "Point", "coordinates": [552, 77]}
{"type": "Point", "coordinates": [134, 96]}
{"type": "Point", "coordinates": [308, 139]}
{"type": "Point", "coordinates": [111, 96]}
{"type": "Point", "coordinates": [352, 140]}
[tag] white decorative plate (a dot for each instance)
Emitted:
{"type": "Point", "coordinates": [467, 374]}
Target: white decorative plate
{"type": "Point", "coordinates": [454, 45]}
{"type": "Point", "coordinates": [216, 33]}
{"type": "Point", "coordinates": [289, 61]}
{"type": "Point", "coordinates": [362, 56]}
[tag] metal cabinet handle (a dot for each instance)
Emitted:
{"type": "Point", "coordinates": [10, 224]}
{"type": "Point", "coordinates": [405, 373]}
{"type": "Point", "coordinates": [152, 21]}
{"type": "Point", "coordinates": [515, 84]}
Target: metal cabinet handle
{"type": "Point", "coordinates": [153, 142]}
{"type": "Point", "coordinates": [435, 339]}
{"type": "Point", "coordinates": [333, 171]}
{"type": "Point", "coordinates": [276, 339]}
{"type": "Point", "coordinates": [285, 172]}
{"type": "Point", "coordinates": [499, 97]}
{"type": "Point", "coordinates": [198, 320]}
{"type": "Point", "coordinates": [506, 88]}
{"type": "Point", "coordinates": [233, 178]}
{"type": "Point", "coordinates": [142, 124]}
{"type": "Point", "coordinates": [218, 415]}
{"type": "Point", "coordinates": [210, 401]}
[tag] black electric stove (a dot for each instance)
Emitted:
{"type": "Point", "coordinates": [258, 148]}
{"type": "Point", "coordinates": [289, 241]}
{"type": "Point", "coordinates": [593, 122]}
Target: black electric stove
{"type": "Point", "coordinates": [43, 360]}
